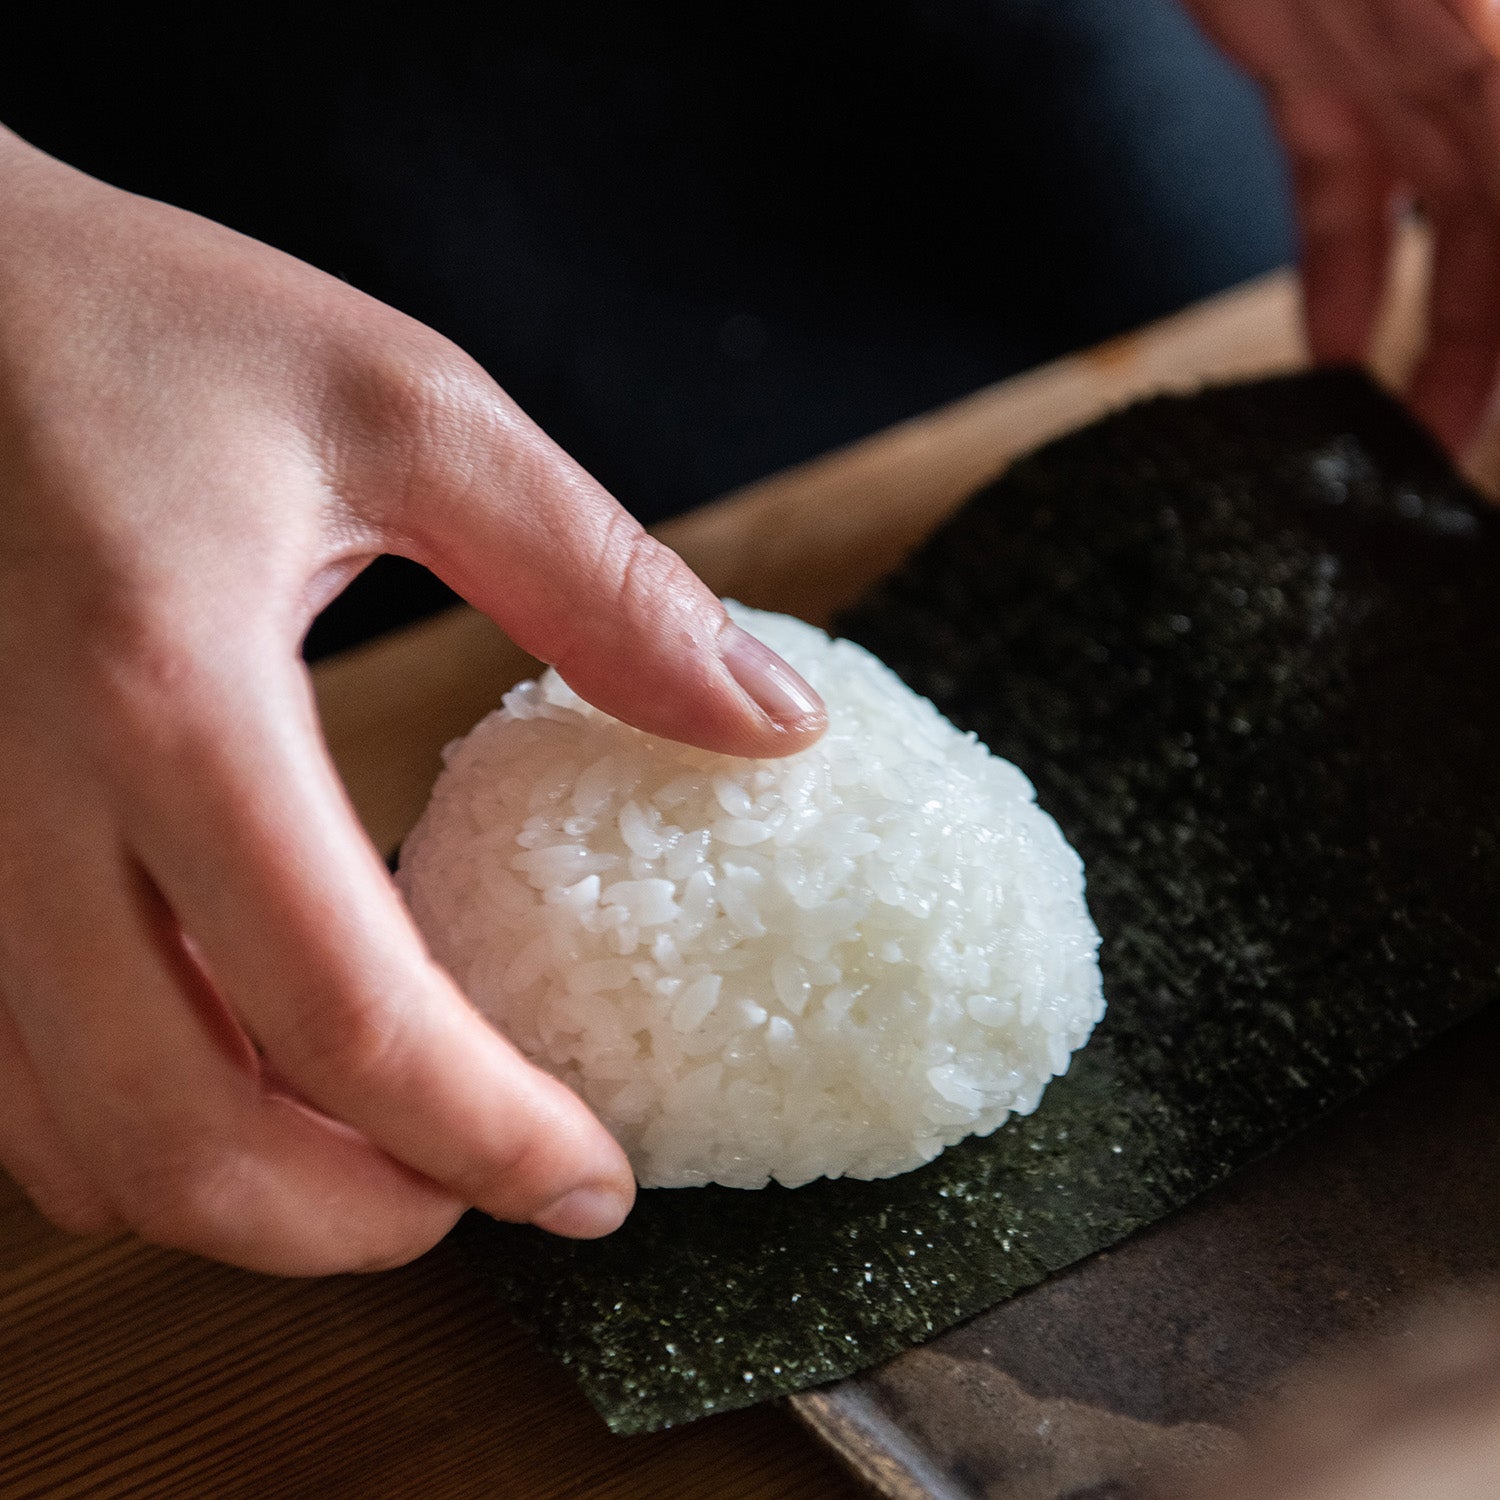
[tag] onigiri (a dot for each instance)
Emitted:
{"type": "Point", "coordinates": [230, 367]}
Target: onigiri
{"type": "Point", "coordinates": [833, 964]}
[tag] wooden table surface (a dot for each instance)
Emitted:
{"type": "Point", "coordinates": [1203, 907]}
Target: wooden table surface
{"type": "Point", "coordinates": [126, 1370]}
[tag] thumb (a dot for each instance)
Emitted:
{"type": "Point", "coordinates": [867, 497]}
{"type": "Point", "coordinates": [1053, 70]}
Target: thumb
{"type": "Point", "coordinates": [512, 523]}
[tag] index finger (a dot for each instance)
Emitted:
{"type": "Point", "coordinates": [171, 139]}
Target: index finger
{"type": "Point", "coordinates": [1345, 217]}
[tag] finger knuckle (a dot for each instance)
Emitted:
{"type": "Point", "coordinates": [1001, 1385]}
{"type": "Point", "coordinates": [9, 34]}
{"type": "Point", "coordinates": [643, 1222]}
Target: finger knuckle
{"type": "Point", "coordinates": [349, 1038]}
{"type": "Point", "coordinates": [504, 1173]}
{"type": "Point", "coordinates": [409, 393]}
{"type": "Point", "coordinates": [155, 689]}
{"type": "Point", "coordinates": [643, 571]}
{"type": "Point", "coordinates": [139, 652]}
{"type": "Point", "coordinates": [423, 409]}
{"type": "Point", "coordinates": [636, 576]}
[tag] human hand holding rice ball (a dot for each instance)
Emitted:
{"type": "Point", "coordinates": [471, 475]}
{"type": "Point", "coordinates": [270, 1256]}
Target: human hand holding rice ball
{"type": "Point", "coordinates": [244, 1050]}
{"type": "Point", "coordinates": [833, 964]}
{"type": "Point", "coordinates": [218, 1025]}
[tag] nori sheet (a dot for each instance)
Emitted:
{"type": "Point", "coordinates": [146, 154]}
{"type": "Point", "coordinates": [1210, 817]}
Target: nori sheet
{"type": "Point", "coordinates": [1247, 644]}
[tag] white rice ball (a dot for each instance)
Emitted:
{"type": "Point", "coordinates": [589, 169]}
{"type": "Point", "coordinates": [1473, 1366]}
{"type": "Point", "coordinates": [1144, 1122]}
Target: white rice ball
{"type": "Point", "coordinates": [834, 964]}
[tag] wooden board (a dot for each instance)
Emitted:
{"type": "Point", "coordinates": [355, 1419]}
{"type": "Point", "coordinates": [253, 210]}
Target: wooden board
{"type": "Point", "coordinates": [126, 1370]}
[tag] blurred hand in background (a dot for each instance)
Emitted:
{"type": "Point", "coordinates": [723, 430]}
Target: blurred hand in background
{"type": "Point", "coordinates": [1383, 103]}
{"type": "Point", "coordinates": [1411, 1415]}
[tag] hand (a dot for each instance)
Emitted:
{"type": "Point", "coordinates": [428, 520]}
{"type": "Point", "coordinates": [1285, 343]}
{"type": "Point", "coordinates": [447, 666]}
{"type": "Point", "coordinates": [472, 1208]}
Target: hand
{"type": "Point", "coordinates": [1379, 102]}
{"type": "Point", "coordinates": [218, 1026]}
{"type": "Point", "coordinates": [1411, 1415]}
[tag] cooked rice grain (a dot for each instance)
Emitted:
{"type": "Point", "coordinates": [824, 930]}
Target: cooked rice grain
{"type": "Point", "coordinates": [835, 964]}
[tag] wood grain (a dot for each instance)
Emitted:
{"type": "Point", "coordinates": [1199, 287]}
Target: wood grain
{"type": "Point", "coordinates": [126, 1370]}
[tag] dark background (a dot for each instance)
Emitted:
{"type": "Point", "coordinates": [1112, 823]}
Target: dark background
{"type": "Point", "coordinates": [697, 244]}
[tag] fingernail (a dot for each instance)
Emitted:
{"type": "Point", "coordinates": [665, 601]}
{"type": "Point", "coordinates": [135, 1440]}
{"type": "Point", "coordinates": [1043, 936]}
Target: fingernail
{"type": "Point", "coordinates": [772, 685]}
{"type": "Point", "coordinates": [586, 1213]}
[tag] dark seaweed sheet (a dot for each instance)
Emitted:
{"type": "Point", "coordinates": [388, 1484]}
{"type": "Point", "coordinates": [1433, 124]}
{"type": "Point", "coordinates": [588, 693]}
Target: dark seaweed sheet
{"type": "Point", "coordinates": [1247, 644]}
